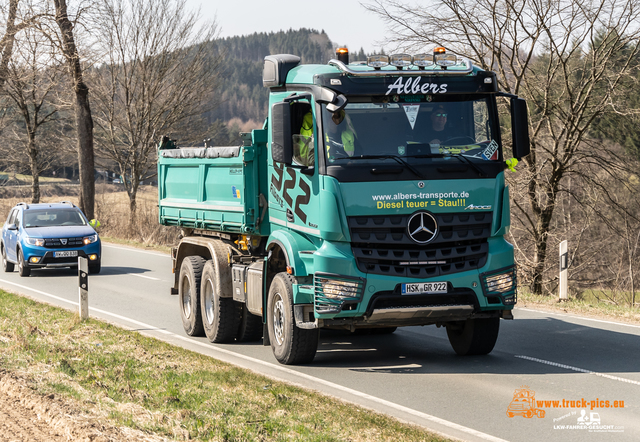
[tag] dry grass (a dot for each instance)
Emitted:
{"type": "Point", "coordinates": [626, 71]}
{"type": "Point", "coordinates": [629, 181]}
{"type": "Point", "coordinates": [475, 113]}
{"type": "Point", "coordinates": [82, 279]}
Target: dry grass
{"type": "Point", "coordinates": [130, 380]}
{"type": "Point", "coordinates": [587, 306]}
{"type": "Point", "coordinates": [112, 210]}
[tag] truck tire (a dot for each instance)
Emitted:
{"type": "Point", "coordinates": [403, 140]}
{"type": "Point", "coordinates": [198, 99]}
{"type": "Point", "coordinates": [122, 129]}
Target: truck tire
{"type": "Point", "coordinates": [473, 336]}
{"type": "Point", "coordinates": [291, 345]}
{"type": "Point", "coordinates": [6, 265]}
{"type": "Point", "coordinates": [189, 294]}
{"type": "Point", "coordinates": [23, 270]}
{"type": "Point", "coordinates": [220, 316]}
{"type": "Point", "coordinates": [250, 329]}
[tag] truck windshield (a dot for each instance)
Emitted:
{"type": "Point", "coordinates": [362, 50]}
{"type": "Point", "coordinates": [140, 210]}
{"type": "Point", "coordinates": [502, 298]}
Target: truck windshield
{"type": "Point", "coordinates": [378, 127]}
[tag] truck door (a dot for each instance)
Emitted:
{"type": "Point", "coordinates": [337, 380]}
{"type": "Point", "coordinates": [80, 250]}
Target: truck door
{"type": "Point", "coordinates": [293, 187]}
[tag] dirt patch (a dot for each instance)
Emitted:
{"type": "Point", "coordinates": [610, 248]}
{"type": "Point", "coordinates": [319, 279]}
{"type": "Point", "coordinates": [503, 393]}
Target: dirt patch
{"type": "Point", "coordinates": [28, 416]}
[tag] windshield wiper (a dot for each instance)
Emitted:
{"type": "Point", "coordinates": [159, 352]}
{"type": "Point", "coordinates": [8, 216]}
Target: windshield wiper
{"type": "Point", "coordinates": [464, 159]}
{"type": "Point", "coordinates": [393, 157]}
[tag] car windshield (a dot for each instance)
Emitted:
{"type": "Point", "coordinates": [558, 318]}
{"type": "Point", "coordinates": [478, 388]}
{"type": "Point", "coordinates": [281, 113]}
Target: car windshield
{"type": "Point", "coordinates": [53, 217]}
{"type": "Point", "coordinates": [371, 127]}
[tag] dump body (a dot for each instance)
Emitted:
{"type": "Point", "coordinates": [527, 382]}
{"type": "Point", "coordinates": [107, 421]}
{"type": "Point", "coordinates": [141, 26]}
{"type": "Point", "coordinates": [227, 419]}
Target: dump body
{"type": "Point", "coordinates": [213, 188]}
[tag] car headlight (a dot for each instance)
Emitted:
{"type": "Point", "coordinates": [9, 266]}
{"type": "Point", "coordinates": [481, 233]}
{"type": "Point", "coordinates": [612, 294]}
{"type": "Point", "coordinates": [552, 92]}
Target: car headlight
{"type": "Point", "coordinates": [90, 239]}
{"type": "Point", "coordinates": [35, 241]}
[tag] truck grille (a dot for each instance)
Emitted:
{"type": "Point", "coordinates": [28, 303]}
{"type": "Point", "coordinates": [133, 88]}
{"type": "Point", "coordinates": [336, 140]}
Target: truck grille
{"type": "Point", "coordinates": [382, 246]}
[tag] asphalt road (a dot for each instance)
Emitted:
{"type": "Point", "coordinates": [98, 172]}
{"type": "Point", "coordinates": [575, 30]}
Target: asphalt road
{"type": "Point", "coordinates": [412, 374]}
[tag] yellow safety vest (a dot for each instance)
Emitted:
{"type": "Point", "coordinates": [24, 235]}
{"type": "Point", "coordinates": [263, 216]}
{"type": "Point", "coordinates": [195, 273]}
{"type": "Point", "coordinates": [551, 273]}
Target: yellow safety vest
{"type": "Point", "coordinates": [307, 131]}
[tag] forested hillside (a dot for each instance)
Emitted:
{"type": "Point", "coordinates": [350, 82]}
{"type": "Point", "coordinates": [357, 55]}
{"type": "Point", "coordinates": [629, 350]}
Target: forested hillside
{"type": "Point", "coordinates": [243, 99]}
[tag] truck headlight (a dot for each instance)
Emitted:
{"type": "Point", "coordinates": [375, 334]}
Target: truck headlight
{"type": "Point", "coordinates": [332, 291]}
{"type": "Point", "coordinates": [90, 239]}
{"type": "Point", "coordinates": [35, 241]}
{"type": "Point", "coordinates": [502, 283]}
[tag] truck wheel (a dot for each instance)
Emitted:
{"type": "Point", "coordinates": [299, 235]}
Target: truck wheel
{"type": "Point", "coordinates": [189, 294]}
{"type": "Point", "coordinates": [473, 336]}
{"type": "Point", "coordinates": [6, 265]}
{"type": "Point", "coordinates": [291, 345]}
{"type": "Point", "coordinates": [220, 316]}
{"type": "Point", "coordinates": [250, 329]}
{"type": "Point", "coordinates": [23, 270]}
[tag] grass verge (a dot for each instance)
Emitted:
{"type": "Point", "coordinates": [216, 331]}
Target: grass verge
{"type": "Point", "coordinates": [142, 383]}
{"type": "Point", "coordinates": [588, 306]}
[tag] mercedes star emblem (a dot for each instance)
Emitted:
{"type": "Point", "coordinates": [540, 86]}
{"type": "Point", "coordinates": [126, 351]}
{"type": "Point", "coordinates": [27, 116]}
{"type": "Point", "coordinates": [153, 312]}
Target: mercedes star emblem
{"type": "Point", "coordinates": [422, 227]}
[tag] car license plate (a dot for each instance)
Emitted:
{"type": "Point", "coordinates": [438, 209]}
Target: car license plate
{"type": "Point", "coordinates": [419, 288]}
{"type": "Point", "coordinates": [65, 254]}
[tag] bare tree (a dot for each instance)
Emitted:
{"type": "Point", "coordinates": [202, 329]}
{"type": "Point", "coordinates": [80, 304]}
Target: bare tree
{"type": "Point", "coordinates": [32, 81]}
{"type": "Point", "coordinates": [567, 58]}
{"type": "Point", "coordinates": [158, 74]}
{"type": "Point", "coordinates": [15, 21]}
{"type": "Point", "coordinates": [84, 121]}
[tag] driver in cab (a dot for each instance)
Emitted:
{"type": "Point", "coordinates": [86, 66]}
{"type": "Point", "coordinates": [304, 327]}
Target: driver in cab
{"type": "Point", "coordinates": [440, 132]}
{"type": "Point", "coordinates": [341, 136]}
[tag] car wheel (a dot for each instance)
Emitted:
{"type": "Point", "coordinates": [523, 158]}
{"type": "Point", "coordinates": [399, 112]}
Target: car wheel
{"type": "Point", "coordinates": [189, 294]}
{"type": "Point", "coordinates": [473, 336]}
{"type": "Point", "coordinates": [220, 315]}
{"type": "Point", "coordinates": [95, 268]}
{"type": "Point", "coordinates": [291, 345]}
{"type": "Point", "coordinates": [23, 270]}
{"type": "Point", "coordinates": [6, 265]}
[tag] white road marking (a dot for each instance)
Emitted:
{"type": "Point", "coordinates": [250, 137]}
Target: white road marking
{"type": "Point", "coordinates": [580, 370]}
{"type": "Point", "coordinates": [283, 369]}
{"type": "Point", "coordinates": [578, 317]}
{"type": "Point", "coordinates": [144, 276]}
{"type": "Point", "coordinates": [39, 292]}
{"type": "Point", "coordinates": [134, 249]}
{"type": "Point", "coordinates": [387, 367]}
{"type": "Point", "coordinates": [336, 350]}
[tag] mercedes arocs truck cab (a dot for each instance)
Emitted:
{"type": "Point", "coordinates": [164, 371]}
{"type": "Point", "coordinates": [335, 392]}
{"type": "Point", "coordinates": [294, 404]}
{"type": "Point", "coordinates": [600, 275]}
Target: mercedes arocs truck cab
{"type": "Point", "coordinates": [373, 198]}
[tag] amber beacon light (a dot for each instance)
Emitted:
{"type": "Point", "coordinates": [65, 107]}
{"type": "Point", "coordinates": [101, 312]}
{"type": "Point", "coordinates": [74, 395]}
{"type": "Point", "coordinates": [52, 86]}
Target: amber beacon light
{"type": "Point", "coordinates": [342, 54]}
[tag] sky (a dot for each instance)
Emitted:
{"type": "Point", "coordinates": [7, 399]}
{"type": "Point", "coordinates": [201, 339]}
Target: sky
{"type": "Point", "coordinates": [346, 22]}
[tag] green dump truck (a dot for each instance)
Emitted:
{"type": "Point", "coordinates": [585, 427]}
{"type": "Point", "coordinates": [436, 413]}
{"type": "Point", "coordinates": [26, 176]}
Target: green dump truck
{"type": "Point", "coordinates": [372, 198]}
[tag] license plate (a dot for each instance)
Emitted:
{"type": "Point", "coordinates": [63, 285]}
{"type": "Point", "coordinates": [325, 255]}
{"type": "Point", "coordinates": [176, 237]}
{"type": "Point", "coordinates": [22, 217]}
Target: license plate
{"type": "Point", "coordinates": [65, 254]}
{"type": "Point", "coordinates": [419, 288]}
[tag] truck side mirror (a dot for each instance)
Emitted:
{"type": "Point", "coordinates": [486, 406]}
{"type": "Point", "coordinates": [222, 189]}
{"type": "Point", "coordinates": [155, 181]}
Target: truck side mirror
{"type": "Point", "coordinates": [281, 144]}
{"type": "Point", "coordinates": [520, 128]}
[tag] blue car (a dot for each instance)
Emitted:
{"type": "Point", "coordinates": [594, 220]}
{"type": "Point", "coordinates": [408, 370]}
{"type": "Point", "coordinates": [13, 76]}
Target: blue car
{"type": "Point", "coordinates": [48, 235]}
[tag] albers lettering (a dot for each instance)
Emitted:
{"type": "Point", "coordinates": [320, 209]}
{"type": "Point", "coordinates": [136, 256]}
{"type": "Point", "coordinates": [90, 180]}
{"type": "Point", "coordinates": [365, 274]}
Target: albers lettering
{"type": "Point", "coordinates": [413, 86]}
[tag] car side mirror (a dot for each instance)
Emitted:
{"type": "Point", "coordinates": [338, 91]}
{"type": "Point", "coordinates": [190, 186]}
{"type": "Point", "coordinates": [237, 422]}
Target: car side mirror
{"type": "Point", "coordinates": [12, 227]}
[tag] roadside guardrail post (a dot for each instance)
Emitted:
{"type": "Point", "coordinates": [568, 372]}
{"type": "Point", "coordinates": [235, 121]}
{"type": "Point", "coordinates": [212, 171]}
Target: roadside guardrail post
{"type": "Point", "coordinates": [83, 284]}
{"type": "Point", "coordinates": [564, 266]}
